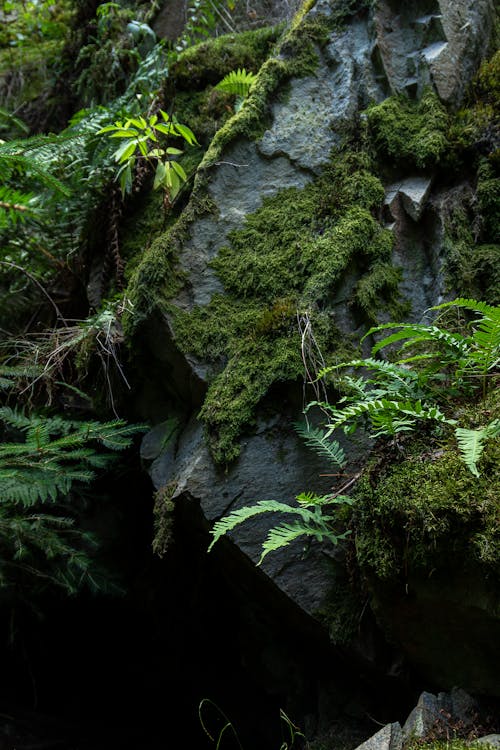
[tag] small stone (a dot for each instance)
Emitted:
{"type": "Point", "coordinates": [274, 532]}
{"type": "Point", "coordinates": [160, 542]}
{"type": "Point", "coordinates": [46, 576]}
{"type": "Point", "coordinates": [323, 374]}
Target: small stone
{"type": "Point", "coordinates": [414, 193]}
{"type": "Point", "coordinates": [423, 717]}
{"type": "Point", "coordinates": [492, 740]}
{"type": "Point", "coordinates": [389, 738]}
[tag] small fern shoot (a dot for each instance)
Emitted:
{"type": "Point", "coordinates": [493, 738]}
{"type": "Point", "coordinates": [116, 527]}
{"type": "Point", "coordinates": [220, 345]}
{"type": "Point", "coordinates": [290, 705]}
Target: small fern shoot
{"type": "Point", "coordinates": [237, 82]}
{"type": "Point", "coordinates": [320, 442]}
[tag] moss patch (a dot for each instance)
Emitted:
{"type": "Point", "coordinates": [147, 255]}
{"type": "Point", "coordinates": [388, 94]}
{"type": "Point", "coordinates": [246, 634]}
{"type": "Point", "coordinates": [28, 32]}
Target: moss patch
{"type": "Point", "coordinates": [428, 512]}
{"type": "Point", "coordinates": [410, 133]}
{"type": "Point", "coordinates": [291, 255]}
{"type": "Point", "coordinates": [207, 63]}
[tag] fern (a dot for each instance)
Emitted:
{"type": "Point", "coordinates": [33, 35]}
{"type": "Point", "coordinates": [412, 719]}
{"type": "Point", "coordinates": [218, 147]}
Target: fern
{"type": "Point", "coordinates": [319, 441]}
{"type": "Point", "coordinates": [312, 521]}
{"type": "Point", "coordinates": [395, 396]}
{"type": "Point", "coordinates": [47, 467]}
{"type": "Point", "coordinates": [349, 417]}
{"type": "Point", "coordinates": [420, 334]}
{"type": "Point", "coordinates": [34, 156]}
{"type": "Point", "coordinates": [237, 82]}
{"type": "Point", "coordinates": [471, 443]}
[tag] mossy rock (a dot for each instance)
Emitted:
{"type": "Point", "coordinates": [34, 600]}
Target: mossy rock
{"type": "Point", "coordinates": [288, 258]}
{"type": "Point", "coordinates": [410, 133]}
{"type": "Point", "coordinates": [427, 535]}
{"type": "Point", "coordinates": [207, 63]}
{"type": "Point", "coordinates": [428, 512]}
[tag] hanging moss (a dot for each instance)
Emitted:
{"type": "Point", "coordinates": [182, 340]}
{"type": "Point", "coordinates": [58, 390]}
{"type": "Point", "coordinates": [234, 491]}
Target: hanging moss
{"type": "Point", "coordinates": [410, 133]}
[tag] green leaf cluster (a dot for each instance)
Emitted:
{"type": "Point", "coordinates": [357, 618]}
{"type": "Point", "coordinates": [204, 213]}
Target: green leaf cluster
{"type": "Point", "coordinates": [141, 141]}
{"type": "Point", "coordinates": [238, 83]}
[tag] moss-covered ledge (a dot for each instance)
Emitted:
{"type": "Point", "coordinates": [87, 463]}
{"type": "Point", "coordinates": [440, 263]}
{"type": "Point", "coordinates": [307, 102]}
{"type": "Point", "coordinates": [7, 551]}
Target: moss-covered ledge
{"type": "Point", "coordinates": [427, 545]}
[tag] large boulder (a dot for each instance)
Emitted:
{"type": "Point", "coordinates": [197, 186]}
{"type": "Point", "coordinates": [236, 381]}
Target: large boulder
{"type": "Point", "coordinates": [305, 113]}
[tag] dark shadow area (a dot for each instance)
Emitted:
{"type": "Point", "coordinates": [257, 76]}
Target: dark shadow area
{"type": "Point", "coordinates": [129, 672]}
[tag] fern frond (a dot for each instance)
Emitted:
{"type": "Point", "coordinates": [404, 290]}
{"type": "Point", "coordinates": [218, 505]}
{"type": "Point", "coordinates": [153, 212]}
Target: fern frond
{"type": "Point", "coordinates": [228, 523]}
{"type": "Point", "coordinates": [319, 441]}
{"type": "Point", "coordinates": [15, 205]}
{"type": "Point", "coordinates": [471, 443]}
{"type": "Point", "coordinates": [471, 446]}
{"type": "Point", "coordinates": [14, 418]}
{"type": "Point", "coordinates": [488, 311]}
{"type": "Point", "coordinates": [376, 406]}
{"type": "Point", "coordinates": [237, 82]}
{"type": "Point", "coordinates": [417, 334]}
{"type": "Point", "coordinates": [282, 536]}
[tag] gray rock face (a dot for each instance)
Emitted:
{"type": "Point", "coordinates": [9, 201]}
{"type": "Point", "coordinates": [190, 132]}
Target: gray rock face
{"type": "Point", "coordinates": [438, 42]}
{"type": "Point", "coordinates": [272, 466]}
{"type": "Point", "coordinates": [309, 124]}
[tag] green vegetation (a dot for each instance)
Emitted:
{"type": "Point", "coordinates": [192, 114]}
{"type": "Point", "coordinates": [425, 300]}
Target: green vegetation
{"type": "Point", "coordinates": [237, 83]}
{"type": "Point", "coordinates": [205, 64]}
{"type": "Point", "coordinates": [428, 512]}
{"type": "Point", "coordinates": [316, 516]}
{"type": "Point", "coordinates": [405, 510]}
{"type": "Point", "coordinates": [411, 133]}
{"type": "Point", "coordinates": [291, 255]}
{"type": "Point", "coordinates": [32, 36]}
{"type": "Point", "coordinates": [40, 545]}
{"type": "Point", "coordinates": [140, 135]}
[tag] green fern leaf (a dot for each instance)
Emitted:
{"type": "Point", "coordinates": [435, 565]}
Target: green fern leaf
{"type": "Point", "coordinates": [471, 443]}
{"type": "Point", "coordinates": [488, 311]}
{"type": "Point", "coordinates": [471, 446]}
{"type": "Point", "coordinates": [237, 82]}
{"type": "Point", "coordinates": [320, 442]}
{"type": "Point", "coordinates": [228, 523]}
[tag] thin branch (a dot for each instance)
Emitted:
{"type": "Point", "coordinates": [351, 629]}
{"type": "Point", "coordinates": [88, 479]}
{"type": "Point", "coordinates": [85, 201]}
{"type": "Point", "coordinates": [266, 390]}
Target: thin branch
{"type": "Point", "coordinates": [42, 289]}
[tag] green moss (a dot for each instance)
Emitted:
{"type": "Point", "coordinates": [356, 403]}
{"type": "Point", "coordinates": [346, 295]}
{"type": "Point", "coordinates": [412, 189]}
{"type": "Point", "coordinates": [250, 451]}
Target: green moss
{"type": "Point", "coordinates": [296, 57]}
{"type": "Point", "coordinates": [408, 132]}
{"type": "Point", "coordinates": [473, 239]}
{"type": "Point", "coordinates": [234, 394]}
{"type": "Point", "coordinates": [157, 278]}
{"type": "Point", "coordinates": [380, 283]}
{"type": "Point", "coordinates": [291, 255]}
{"type": "Point", "coordinates": [487, 82]}
{"type": "Point", "coordinates": [488, 195]}
{"type": "Point", "coordinates": [207, 63]}
{"type": "Point", "coordinates": [428, 512]}
{"type": "Point", "coordinates": [344, 10]}
{"type": "Point", "coordinates": [448, 743]}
